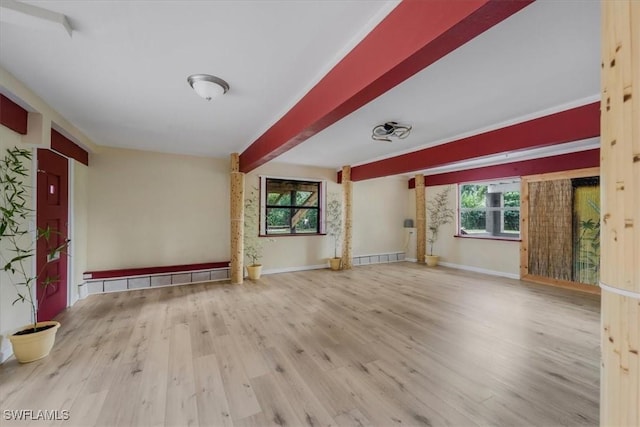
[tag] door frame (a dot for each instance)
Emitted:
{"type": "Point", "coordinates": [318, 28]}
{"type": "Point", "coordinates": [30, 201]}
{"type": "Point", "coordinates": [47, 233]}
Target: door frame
{"type": "Point", "coordinates": [70, 227]}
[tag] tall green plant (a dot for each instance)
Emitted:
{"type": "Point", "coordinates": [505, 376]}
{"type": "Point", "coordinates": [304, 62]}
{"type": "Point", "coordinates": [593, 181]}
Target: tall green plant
{"type": "Point", "coordinates": [252, 240]}
{"type": "Point", "coordinates": [16, 243]}
{"type": "Point", "coordinates": [334, 222]}
{"type": "Point", "coordinates": [588, 259]}
{"type": "Point", "coordinates": [439, 214]}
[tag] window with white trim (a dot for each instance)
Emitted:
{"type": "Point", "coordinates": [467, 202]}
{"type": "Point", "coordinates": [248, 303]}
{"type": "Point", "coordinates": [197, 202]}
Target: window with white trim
{"type": "Point", "coordinates": [489, 209]}
{"type": "Point", "coordinates": [291, 206]}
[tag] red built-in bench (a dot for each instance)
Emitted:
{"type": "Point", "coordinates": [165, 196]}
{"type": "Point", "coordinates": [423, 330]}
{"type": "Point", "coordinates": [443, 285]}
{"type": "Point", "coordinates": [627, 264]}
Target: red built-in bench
{"type": "Point", "coordinates": [145, 277]}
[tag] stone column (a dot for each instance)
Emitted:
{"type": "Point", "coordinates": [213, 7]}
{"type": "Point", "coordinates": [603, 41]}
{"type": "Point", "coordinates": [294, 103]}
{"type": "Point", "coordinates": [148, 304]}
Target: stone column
{"type": "Point", "coordinates": [421, 219]}
{"type": "Point", "coordinates": [347, 198]}
{"type": "Point", "coordinates": [237, 221]}
{"type": "Point", "coordinates": [620, 213]}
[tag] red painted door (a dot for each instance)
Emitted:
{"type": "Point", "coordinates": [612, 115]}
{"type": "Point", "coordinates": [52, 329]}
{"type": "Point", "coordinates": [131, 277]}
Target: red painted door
{"type": "Point", "coordinates": [53, 212]}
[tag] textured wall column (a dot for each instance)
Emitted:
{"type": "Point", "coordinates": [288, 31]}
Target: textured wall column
{"type": "Point", "coordinates": [347, 202]}
{"type": "Point", "coordinates": [421, 219]}
{"type": "Point", "coordinates": [620, 213]}
{"type": "Point", "coordinates": [237, 221]}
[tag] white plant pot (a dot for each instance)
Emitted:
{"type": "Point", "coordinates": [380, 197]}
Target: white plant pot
{"type": "Point", "coordinates": [431, 260]}
{"type": "Point", "coordinates": [35, 346]}
{"type": "Point", "coordinates": [254, 271]}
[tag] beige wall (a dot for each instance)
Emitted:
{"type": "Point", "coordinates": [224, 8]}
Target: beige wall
{"type": "Point", "coordinates": [294, 252]}
{"type": "Point", "coordinates": [151, 209]}
{"type": "Point", "coordinates": [378, 209]}
{"type": "Point", "coordinates": [379, 213]}
{"type": "Point", "coordinates": [483, 255]}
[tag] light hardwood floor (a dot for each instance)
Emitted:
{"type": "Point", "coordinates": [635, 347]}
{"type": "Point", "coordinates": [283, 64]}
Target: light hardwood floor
{"type": "Point", "coordinates": [383, 345]}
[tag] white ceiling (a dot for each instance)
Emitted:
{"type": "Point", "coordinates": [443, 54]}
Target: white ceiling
{"type": "Point", "coordinates": [543, 59]}
{"type": "Point", "coordinates": [121, 77]}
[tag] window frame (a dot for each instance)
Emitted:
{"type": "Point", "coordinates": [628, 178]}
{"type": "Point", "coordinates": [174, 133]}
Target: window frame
{"type": "Point", "coordinates": [516, 182]}
{"type": "Point", "coordinates": [321, 205]}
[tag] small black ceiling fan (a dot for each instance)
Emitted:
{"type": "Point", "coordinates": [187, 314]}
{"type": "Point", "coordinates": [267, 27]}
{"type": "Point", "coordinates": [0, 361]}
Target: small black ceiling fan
{"type": "Point", "coordinates": [390, 130]}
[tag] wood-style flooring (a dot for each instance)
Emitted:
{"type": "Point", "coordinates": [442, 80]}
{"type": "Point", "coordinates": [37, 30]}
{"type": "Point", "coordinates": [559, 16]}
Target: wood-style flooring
{"type": "Point", "coordinates": [381, 345]}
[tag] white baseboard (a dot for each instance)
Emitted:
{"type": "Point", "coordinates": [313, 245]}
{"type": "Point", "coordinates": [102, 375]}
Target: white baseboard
{"type": "Point", "coordinates": [293, 269]}
{"type": "Point", "coordinates": [411, 259]}
{"type": "Point", "coordinates": [480, 270]}
{"type": "Point", "coordinates": [83, 291]}
{"type": "Point", "coordinates": [5, 349]}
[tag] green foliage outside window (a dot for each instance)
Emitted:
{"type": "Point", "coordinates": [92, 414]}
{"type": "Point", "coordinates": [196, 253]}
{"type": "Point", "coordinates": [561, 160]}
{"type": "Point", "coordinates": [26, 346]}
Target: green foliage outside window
{"type": "Point", "coordinates": [476, 214]}
{"type": "Point", "coordinates": [292, 207]}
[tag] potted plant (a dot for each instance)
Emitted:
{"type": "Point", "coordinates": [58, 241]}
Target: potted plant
{"type": "Point", "coordinates": [17, 249]}
{"type": "Point", "coordinates": [252, 240]}
{"type": "Point", "coordinates": [334, 229]}
{"type": "Point", "coordinates": [439, 214]}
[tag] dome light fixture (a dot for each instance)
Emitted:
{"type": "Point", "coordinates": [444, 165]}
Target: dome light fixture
{"type": "Point", "coordinates": [208, 86]}
{"type": "Point", "coordinates": [390, 130]}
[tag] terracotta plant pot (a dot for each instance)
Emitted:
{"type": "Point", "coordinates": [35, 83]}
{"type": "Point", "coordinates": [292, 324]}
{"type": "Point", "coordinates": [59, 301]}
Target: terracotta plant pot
{"type": "Point", "coordinates": [431, 260]}
{"type": "Point", "coordinates": [335, 263]}
{"type": "Point", "coordinates": [254, 271]}
{"type": "Point", "coordinates": [34, 346]}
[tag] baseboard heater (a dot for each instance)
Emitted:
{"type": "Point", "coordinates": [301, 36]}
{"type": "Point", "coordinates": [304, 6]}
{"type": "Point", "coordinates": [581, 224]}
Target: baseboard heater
{"type": "Point", "coordinates": [97, 282]}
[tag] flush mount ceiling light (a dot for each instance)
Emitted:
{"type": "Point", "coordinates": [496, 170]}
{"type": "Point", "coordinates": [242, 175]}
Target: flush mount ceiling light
{"type": "Point", "coordinates": [208, 86]}
{"type": "Point", "coordinates": [390, 130]}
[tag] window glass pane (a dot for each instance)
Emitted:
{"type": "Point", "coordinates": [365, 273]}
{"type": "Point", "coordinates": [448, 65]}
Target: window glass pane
{"type": "Point", "coordinates": [511, 222]}
{"type": "Point", "coordinates": [473, 196]}
{"type": "Point", "coordinates": [292, 207]}
{"type": "Point", "coordinates": [512, 199]}
{"type": "Point", "coordinates": [278, 221]}
{"type": "Point", "coordinates": [305, 221]}
{"type": "Point", "coordinates": [279, 199]}
{"type": "Point", "coordinates": [473, 222]}
{"type": "Point", "coordinates": [307, 198]}
{"type": "Point", "coordinates": [490, 209]}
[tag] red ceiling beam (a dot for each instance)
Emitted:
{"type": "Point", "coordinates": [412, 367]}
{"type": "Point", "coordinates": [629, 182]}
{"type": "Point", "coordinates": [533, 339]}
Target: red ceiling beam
{"type": "Point", "coordinates": [566, 126]}
{"type": "Point", "coordinates": [413, 36]}
{"type": "Point", "coordinates": [562, 162]}
{"type": "Point", "coordinates": [13, 116]}
{"type": "Point", "coordinates": [68, 148]}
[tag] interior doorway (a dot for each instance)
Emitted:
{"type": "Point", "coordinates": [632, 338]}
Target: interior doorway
{"type": "Point", "coordinates": [52, 213]}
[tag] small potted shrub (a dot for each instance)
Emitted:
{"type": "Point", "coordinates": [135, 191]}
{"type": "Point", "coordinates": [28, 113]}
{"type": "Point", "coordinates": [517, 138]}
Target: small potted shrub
{"type": "Point", "coordinates": [252, 240]}
{"type": "Point", "coordinates": [334, 229]}
{"type": "Point", "coordinates": [439, 214]}
{"type": "Point", "coordinates": [17, 249]}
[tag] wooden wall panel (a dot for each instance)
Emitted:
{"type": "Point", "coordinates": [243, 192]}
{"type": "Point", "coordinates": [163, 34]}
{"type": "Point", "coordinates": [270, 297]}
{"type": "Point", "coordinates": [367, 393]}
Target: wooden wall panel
{"type": "Point", "coordinates": [620, 221]}
{"type": "Point", "coordinates": [550, 229]}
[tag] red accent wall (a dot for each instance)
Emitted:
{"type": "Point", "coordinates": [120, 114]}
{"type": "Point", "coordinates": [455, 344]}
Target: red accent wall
{"type": "Point", "coordinates": [13, 116]}
{"type": "Point", "coordinates": [563, 162]}
{"type": "Point", "coordinates": [413, 36]}
{"type": "Point", "coordinates": [68, 148]}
